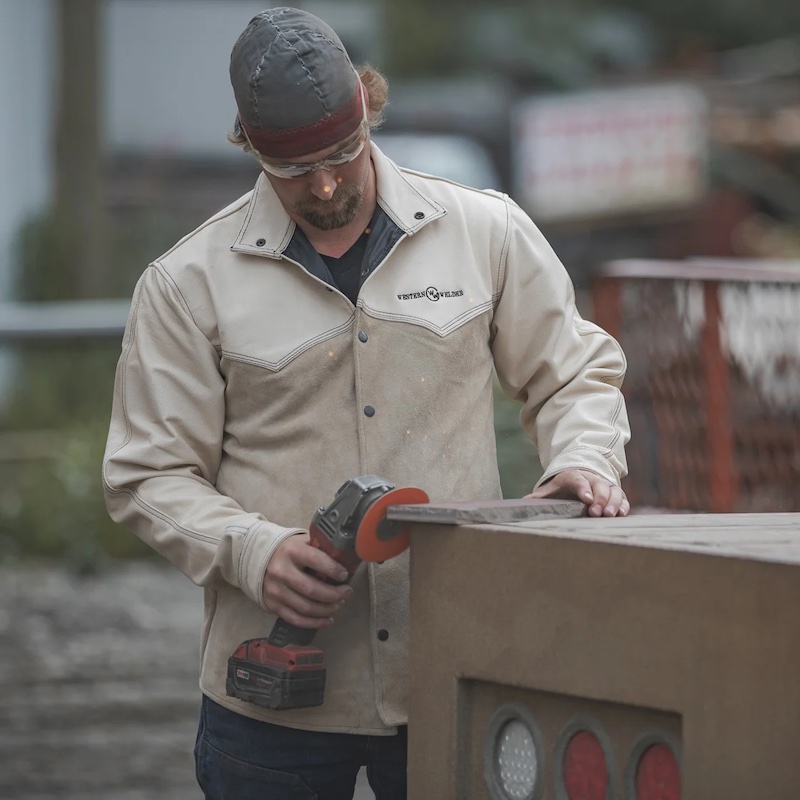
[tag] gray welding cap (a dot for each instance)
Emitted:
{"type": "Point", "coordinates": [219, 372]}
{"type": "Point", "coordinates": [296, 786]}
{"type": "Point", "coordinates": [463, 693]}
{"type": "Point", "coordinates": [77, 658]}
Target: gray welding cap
{"type": "Point", "coordinates": [296, 89]}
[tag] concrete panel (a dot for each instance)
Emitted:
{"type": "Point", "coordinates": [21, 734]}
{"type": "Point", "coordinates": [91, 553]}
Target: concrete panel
{"type": "Point", "coordinates": [682, 624]}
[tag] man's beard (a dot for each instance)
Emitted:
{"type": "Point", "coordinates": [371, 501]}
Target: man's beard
{"type": "Point", "coordinates": [339, 211]}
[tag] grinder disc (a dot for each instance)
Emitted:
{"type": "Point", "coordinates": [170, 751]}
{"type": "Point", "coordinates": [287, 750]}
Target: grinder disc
{"type": "Point", "coordinates": [377, 538]}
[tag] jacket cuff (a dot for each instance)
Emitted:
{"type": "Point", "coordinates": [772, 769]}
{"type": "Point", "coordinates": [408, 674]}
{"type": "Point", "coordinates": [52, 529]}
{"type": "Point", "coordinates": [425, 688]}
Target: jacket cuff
{"type": "Point", "coordinates": [580, 458]}
{"type": "Point", "coordinates": [258, 547]}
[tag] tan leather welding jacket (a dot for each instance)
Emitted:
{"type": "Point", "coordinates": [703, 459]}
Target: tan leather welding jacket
{"type": "Point", "coordinates": [249, 390]}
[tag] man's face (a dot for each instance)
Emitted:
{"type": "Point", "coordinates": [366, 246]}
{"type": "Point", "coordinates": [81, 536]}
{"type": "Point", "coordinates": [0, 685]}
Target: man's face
{"type": "Point", "coordinates": [330, 195]}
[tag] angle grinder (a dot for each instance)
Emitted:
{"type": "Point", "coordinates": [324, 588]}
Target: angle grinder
{"type": "Point", "coordinates": [284, 670]}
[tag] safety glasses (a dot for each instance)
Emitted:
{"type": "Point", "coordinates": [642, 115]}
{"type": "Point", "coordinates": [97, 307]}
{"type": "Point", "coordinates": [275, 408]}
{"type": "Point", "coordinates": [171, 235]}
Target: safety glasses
{"type": "Point", "coordinates": [347, 153]}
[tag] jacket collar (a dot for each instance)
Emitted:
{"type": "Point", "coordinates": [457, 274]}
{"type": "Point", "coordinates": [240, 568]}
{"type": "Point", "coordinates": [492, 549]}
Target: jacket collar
{"type": "Point", "coordinates": [267, 228]}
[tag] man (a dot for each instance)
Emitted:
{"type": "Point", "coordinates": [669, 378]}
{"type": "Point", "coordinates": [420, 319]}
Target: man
{"type": "Point", "coordinates": [343, 319]}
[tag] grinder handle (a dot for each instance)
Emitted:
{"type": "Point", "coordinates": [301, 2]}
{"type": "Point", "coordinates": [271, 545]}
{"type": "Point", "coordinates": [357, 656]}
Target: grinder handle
{"type": "Point", "coordinates": [284, 632]}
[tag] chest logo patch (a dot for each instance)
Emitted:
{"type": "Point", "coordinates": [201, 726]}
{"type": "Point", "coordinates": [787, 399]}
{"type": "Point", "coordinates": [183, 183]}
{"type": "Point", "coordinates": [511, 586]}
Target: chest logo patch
{"type": "Point", "coordinates": [432, 293]}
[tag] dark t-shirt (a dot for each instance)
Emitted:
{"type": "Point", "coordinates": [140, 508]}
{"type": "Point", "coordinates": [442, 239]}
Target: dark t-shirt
{"type": "Point", "coordinates": [346, 270]}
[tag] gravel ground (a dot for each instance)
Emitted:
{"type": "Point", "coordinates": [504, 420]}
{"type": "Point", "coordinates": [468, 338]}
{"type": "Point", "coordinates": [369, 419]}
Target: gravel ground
{"type": "Point", "coordinates": [98, 684]}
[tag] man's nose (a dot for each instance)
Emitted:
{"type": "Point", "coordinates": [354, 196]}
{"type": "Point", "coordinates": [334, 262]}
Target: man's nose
{"type": "Point", "coordinates": [323, 183]}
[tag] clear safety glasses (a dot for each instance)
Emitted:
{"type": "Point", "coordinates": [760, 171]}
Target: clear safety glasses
{"type": "Point", "coordinates": [347, 153]}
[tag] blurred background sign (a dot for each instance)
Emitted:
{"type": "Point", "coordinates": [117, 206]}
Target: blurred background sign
{"type": "Point", "coordinates": [610, 152]}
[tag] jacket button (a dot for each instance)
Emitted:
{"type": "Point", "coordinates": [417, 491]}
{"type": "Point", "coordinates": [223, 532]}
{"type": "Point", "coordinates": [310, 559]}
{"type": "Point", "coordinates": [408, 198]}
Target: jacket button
{"type": "Point", "coordinates": [419, 215]}
{"type": "Point", "coordinates": [362, 336]}
{"type": "Point", "coordinates": [369, 411]}
{"type": "Point", "coordinates": [383, 634]}
{"type": "Point", "coordinates": [261, 242]}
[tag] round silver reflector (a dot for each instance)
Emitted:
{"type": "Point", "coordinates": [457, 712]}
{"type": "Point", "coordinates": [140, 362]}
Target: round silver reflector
{"type": "Point", "coordinates": [512, 755]}
{"type": "Point", "coordinates": [516, 760]}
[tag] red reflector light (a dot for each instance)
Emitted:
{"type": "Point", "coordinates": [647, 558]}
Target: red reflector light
{"type": "Point", "coordinates": [658, 776]}
{"type": "Point", "coordinates": [585, 768]}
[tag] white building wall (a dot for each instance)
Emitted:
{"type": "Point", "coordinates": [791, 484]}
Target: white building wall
{"type": "Point", "coordinates": [166, 85]}
{"type": "Point", "coordinates": [27, 33]}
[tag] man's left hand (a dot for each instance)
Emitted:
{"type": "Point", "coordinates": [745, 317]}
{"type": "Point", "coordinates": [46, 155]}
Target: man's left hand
{"type": "Point", "coordinates": [604, 499]}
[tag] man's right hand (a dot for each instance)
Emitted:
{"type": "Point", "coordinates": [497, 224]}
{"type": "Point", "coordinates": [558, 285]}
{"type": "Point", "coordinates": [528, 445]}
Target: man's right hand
{"type": "Point", "coordinates": [298, 597]}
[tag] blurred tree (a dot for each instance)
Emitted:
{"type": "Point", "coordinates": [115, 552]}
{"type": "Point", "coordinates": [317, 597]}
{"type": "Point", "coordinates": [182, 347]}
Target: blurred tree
{"type": "Point", "coordinates": [423, 39]}
{"type": "Point", "coordinates": [78, 228]}
{"type": "Point", "coordinates": [717, 24]}
{"type": "Point", "coordinates": [517, 457]}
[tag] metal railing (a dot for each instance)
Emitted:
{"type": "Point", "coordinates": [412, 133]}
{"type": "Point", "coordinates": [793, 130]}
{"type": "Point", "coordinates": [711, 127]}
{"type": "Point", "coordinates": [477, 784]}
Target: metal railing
{"type": "Point", "coordinates": [63, 320]}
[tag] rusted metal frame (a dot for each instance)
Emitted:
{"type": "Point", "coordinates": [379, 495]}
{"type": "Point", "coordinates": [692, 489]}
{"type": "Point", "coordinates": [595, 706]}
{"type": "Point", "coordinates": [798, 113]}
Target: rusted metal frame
{"type": "Point", "coordinates": [723, 480]}
{"type": "Point", "coordinates": [607, 304]}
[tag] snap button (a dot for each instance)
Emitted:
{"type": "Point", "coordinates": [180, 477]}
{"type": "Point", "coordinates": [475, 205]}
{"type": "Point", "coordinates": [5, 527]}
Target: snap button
{"type": "Point", "coordinates": [364, 273]}
{"type": "Point", "coordinates": [260, 242]}
{"type": "Point", "coordinates": [369, 411]}
{"type": "Point", "coordinates": [362, 336]}
{"type": "Point", "coordinates": [419, 215]}
{"type": "Point", "coordinates": [383, 634]}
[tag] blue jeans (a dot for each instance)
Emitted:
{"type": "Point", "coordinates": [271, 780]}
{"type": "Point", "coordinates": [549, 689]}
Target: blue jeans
{"type": "Point", "coordinates": [238, 758]}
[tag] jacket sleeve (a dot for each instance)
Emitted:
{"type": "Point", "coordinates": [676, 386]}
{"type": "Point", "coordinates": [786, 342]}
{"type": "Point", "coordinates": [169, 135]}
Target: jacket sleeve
{"type": "Point", "coordinates": [165, 444]}
{"type": "Point", "coordinates": [566, 371]}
